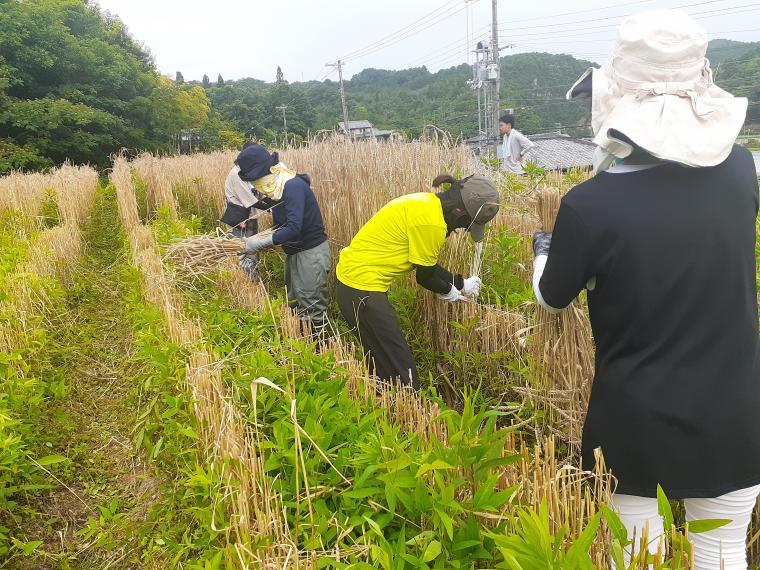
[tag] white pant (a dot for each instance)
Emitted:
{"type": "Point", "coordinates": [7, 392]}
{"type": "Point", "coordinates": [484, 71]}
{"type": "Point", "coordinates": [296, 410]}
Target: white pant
{"type": "Point", "coordinates": [727, 544]}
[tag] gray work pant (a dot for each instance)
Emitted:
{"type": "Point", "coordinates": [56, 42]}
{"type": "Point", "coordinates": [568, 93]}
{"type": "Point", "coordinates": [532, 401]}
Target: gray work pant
{"type": "Point", "coordinates": [249, 262]}
{"type": "Point", "coordinates": [306, 282]}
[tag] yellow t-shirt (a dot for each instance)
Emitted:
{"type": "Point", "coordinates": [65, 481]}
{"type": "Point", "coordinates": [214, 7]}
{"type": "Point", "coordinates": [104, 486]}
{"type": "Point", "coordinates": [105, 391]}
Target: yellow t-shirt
{"type": "Point", "coordinates": [407, 231]}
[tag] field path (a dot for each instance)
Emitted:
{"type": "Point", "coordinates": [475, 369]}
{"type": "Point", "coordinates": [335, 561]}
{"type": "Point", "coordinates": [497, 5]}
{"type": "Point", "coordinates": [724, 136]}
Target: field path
{"type": "Point", "coordinates": [106, 482]}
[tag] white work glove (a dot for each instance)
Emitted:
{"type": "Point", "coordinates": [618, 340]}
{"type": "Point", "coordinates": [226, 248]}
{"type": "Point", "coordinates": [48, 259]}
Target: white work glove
{"type": "Point", "coordinates": [254, 244]}
{"type": "Point", "coordinates": [454, 294]}
{"type": "Point", "coordinates": [472, 286]}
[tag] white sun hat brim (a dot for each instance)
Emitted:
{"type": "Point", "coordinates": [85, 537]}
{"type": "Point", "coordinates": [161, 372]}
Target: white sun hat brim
{"type": "Point", "coordinates": [657, 91]}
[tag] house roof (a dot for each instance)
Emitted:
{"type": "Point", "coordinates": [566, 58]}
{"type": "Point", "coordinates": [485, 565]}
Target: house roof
{"type": "Point", "coordinates": [560, 152]}
{"type": "Point", "coordinates": [355, 125]}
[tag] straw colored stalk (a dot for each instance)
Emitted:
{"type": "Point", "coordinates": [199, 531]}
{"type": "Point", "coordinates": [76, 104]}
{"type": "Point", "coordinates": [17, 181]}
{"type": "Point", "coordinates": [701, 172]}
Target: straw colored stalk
{"type": "Point", "coordinates": [24, 303]}
{"type": "Point", "coordinates": [196, 180]}
{"type": "Point", "coordinates": [753, 545]}
{"type": "Point", "coordinates": [202, 255]}
{"type": "Point", "coordinates": [75, 188]}
{"type": "Point", "coordinates": [573, 497]}
{"type": "Point", "coordinates": [408, 409]}
{"type": "Point", "coordinates": [254, 508]}
{"type": "Point", "coordinates": [353, 181]}
{"type": "Point", "coordinates": [129, 215]}
{"type": "Point", "coordinates": [159, 192]}
{"type": "Point", "coordinates": [56, 251]}
{"type": "Point", "coordinates": [53, 254]}
{"type": "Point", "coordinates": [23, 192]}
{"type": "Point", "coordinates": [235, 284]}
{"type": "Point", "coordinates": [160, 290]}
{"type": "Point", "coordinates": [563, 350]}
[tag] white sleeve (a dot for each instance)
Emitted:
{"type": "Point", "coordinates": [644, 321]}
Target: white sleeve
{"type": "Point", "coordinates": [525, 144]}
{"type": "Point", "coordinates": [539, 263]}
{"type": "Point", "coordinates": [238, 191]}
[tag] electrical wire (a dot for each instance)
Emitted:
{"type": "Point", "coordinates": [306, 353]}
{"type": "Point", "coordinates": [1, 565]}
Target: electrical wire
{"type": "Point", "coordinates": [504, 25]}
{"type": "Point", "coordinates": [584, 31]}
{"type": "Point", "coordinates": [446, 48]}
{"type": "Point", "coordinates": [396, 38]}
{"type": "Point", "coordinates": [446, 54]}
{"type": "Point", "coordinates": [438, 57]}
{"type": "Point", "coordinates": [398, 32]}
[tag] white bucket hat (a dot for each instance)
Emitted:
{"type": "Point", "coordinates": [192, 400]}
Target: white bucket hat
{"type": "Point", "coordinates": [657, 91]}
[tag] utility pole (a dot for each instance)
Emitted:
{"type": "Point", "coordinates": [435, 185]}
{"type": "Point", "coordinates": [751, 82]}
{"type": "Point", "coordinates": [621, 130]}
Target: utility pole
{"type": "Point", "coordinates": [284, 121]}
{"type": "Point", "coordinates": [339, 66]}
{"type": "Point", "coordinates": [495, 54]}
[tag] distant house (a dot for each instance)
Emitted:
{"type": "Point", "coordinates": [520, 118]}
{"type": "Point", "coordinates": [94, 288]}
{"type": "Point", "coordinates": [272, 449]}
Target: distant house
{"type": "Point", "coordinates": [561, 152]}
{"type": "Point", "coordinates": [363, 130]}
{"type": "Point", "coordinates": [552, 151]}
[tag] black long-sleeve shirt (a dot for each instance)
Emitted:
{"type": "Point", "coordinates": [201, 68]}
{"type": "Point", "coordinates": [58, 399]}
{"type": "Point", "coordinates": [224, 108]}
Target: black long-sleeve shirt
{"type": "Point", "coordinates": [437, 279]}
{"type": "Point", "coordinates": [676, 395]}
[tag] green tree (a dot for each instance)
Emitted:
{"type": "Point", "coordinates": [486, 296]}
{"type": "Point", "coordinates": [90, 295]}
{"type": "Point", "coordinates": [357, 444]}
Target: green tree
{"type": "Point", "coordinates": [220, 81]}
{"type": "Point", "coordinates": [179, 78]}
{"type": "Point", "coordinates": [206, 82]}
{"type": "Point", "coordinates": [177, 107]}
{"type": "Point", "coordinates": [14, 157]}
{"type": "Point", "coordinates": [280, 77]}
{"type": "Point", "coordinates": [74, 85]}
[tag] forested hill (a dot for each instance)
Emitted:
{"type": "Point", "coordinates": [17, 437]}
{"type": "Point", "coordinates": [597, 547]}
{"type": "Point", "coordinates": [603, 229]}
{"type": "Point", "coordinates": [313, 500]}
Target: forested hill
{"type": "Point", "coordinates": [721, 51]}
{"type": "Point", "coordinates": [534, 84]}
{"type": "Point", "coordinates": [75, 85]}
{"type": "Point", "coordinates": [409, 99]}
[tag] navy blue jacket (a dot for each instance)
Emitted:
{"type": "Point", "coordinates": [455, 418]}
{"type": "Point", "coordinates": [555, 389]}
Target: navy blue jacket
{"type": "Point", "coordinates": [296, 217]}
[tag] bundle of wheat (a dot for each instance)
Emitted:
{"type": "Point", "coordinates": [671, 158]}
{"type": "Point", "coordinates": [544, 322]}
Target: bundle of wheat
{"type": "Point", "coordinates": [563, 345]}
{"type": "Point", "coordinates": [201, 255]}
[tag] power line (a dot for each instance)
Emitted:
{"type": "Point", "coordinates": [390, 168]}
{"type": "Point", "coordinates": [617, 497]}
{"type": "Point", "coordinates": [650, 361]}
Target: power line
{"type": "Point", "coordinates": [445, 54]}
{"type": "Point", "coordinates": [451, 54]}
{"type": "Point", "coordinates": [440, 14]}
{"type": "Point", "coordinates": [436, 53]}
{"type": "Point", "coordinates": [413, 32]}
{"type": "Point", "coordinates": [615, 17]}
{"type": "Point", "coordinates": [548, 16]}
{"type": "Point", "coordinates": [402, 30]}
{"type": "Point", "coordinates": [542, 41]}
{"type": "Point", "coordinates": [439, 58]}
{"type": "Point", "coordinates": [614, 26]}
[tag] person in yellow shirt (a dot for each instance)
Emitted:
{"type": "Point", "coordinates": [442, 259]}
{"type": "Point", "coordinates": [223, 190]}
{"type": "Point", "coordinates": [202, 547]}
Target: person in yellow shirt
{"type": "Point", "coordinates": [406, 235]}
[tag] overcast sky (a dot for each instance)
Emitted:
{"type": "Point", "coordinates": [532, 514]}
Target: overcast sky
{"type": "Point", "coordinates": [249, 38]}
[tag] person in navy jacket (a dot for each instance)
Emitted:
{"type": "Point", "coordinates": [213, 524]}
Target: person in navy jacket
{"type": "Point", "coordinates": [298, 229]}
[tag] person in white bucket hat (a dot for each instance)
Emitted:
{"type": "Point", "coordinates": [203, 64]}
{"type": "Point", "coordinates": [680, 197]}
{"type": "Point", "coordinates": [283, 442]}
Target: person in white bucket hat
{"type": "Point", "coordinates": [663, 237]}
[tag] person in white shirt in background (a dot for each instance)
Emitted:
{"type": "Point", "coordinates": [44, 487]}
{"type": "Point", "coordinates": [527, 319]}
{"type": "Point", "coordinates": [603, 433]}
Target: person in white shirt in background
{"type": "Point", "coordinates": [514, 146]}
{"type": "Point", "coordinates": [240, 199]}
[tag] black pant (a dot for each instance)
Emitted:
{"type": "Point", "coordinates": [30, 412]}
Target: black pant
{"type": "Point", "coordinates": [385, 348]}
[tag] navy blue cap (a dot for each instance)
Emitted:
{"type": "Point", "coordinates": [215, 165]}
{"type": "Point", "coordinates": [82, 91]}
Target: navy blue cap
{"type": "Point", "coordinates": [255, 162]}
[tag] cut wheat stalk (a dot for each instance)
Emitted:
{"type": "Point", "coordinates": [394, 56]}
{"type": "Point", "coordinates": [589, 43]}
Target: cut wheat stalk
{"type": "Point", "coordinates": [203, 254]}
